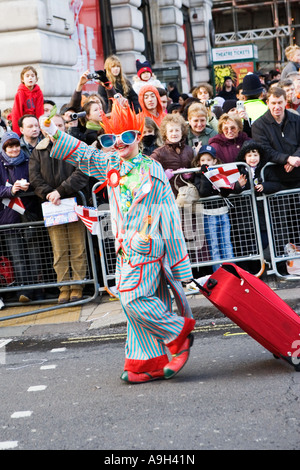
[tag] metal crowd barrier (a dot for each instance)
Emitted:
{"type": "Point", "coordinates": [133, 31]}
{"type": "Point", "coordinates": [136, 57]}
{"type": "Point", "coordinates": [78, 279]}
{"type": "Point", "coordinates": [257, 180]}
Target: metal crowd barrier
{"type": "Point", "coordinates": [244, 234]}
{"type": "Point", "coordinates": [283, 227]}
{"type": "Point", "coordinates": [35, 260]}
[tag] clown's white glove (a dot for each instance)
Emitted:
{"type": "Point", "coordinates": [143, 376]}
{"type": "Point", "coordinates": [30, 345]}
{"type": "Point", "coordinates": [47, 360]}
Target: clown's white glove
{"type": "Point", "coordinates": [48, 126]}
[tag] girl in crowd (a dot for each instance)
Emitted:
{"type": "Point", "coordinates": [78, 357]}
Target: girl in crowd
{"type": "Point", "coordinates": [121, 84]}
{"type": "Point", "coordinates": [151, 137]}
{"type": "Point", "coordinates": [175, 153]}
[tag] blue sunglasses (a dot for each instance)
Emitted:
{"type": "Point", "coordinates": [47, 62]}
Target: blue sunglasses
{"type": "Point", "coordinates": [127, 138]}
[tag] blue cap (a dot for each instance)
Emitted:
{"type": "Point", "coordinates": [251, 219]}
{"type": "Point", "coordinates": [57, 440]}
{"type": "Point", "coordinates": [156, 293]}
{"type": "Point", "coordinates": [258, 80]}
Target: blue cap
{"type": "Point", "coordinates": [208, 149]}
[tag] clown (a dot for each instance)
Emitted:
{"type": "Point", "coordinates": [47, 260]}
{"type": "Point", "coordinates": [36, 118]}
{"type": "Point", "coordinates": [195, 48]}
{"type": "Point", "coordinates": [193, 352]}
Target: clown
{"type": "Point", "coordinates": [150, 247]}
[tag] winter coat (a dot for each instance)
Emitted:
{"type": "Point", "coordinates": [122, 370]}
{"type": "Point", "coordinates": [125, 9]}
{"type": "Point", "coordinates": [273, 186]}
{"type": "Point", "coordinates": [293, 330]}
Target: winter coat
{"type": "Point", "coordinates": [10, 174]}
{"type": "Point", "coordinates": [47, 174]}
{"type": "Point", "coordinates": [228, 149]}
{"type": "Point", "coordinates": [173, 157]}
{"type": "Point", "coordinates": [137, 83]}
{"type": "Point", "coordinates": [278, 140]}
{"type": "Point", "coordinates": [27, 102]}
{"type": "Point", "coordinates": [132, 97]}
{"type": "Point", "coordinates": [289, 68]}
{"type": "Point", "coordinates": [204, 137]}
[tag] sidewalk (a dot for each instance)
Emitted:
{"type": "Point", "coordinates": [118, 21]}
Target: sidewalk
{"type": "Point", "coordinates": [106, 312]}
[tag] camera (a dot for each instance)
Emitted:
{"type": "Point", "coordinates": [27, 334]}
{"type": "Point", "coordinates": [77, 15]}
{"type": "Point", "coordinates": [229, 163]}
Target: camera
{"type": "Point", "coordinates": [75, 116]}
{"type": "Point", "coordinates": [209, 103]}
{"type": "Point", "coordinates": [93, 76]}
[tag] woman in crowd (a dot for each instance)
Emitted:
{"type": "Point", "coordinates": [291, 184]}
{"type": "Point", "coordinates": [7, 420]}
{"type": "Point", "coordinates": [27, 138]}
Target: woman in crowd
{"type": "Point", "coordinates": [21, 244]}
{"type": "Point", "coordinates": [121, 84]}
{"type": "Point", "coordinates": [229, 139]}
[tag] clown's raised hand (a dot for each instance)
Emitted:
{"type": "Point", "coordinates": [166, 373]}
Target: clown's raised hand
{"type": "Point", "coordinates": [48, 127]}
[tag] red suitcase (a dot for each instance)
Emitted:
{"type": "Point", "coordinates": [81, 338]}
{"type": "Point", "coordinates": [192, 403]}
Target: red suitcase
{"type": "Point", "coordinates": [256, 309]}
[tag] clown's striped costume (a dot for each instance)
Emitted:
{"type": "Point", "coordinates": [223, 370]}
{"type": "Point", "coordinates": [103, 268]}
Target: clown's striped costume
{"type": "Point", "coordinates": [145, 264]}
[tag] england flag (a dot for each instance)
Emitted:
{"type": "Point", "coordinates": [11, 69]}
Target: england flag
{"type": "Point", "coordinates": [224, 176]}
{"type": "Point", "coordinates": [15, 204]}
{"type": "Point", "coordinates": [88, 215]}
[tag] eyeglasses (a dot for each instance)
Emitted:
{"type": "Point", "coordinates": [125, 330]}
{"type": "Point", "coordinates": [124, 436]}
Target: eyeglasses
{"type": "Point", "coordinates": [127, 138]}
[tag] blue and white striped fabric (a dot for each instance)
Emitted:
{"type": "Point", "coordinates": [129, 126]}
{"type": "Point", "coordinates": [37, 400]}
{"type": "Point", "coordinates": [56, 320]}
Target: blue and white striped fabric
{"type": "Point", "coordinates": [147, 265]}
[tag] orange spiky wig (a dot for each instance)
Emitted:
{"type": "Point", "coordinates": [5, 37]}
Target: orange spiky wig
{"type": "Point", "coordinates": [122, 119]}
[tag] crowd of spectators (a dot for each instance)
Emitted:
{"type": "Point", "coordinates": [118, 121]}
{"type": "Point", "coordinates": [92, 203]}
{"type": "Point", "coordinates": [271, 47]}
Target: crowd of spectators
{"type": "Point", "coordinates": [262, 112]}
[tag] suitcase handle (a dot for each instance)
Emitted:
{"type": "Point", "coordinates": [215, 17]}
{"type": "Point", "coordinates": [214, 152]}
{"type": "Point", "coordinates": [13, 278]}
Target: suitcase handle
{"type": "Point", "coordinates": [211, 283]}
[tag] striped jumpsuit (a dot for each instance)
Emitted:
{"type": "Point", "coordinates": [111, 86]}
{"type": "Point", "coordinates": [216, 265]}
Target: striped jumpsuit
{"type": "Point", "coordinates": [145, 265]}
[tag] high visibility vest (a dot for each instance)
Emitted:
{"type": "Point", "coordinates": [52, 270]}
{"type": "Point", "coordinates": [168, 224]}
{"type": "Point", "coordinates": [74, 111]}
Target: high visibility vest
{"type": "Point", "coordinates": [255, 109]}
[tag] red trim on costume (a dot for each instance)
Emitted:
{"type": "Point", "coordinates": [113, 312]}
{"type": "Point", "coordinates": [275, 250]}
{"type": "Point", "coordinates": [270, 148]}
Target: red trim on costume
{"type": "Point", "coordinates": [157, 260]}
{"type": "Point", "coordinates": [180, 261]}
{"type": "Point", "coordinates": [72, 151]}
{"type": "Point", "coordinates": [131, 288]}
{"type": "Point", "coordinates": [100, 187]}
{"type": "Point", "coordinates": [148, 365]}
{"type": "Point", "coordinates": [175, 345]}
{"type": "Point", "coordinates": [143, 254]}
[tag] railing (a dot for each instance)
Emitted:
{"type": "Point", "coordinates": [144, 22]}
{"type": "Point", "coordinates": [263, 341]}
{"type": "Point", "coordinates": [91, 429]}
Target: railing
{"type": "Point", "coordinates": [30, 269]}
{"type": "Point", "coordinates": [283, 227]}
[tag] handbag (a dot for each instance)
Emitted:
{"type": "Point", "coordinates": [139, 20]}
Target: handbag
{"type": "Point", "coordinates": [187, 194]}
{"type": "Point", "coordinates": [293, 265]}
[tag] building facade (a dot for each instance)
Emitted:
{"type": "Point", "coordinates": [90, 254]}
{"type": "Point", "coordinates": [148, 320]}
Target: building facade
{"type": "Point", "coordinates": [62, 38]}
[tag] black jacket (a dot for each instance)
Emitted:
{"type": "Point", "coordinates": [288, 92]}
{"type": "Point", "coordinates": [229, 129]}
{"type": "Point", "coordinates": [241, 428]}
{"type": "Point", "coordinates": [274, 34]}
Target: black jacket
{"type": "Point", "coordinates": [278, 140]}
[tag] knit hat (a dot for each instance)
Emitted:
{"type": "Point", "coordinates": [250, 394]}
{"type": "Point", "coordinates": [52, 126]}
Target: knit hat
{"type": "Point", "coordinates": [208, 149]}
{"type": "Point", "coordinates": [9, 136]}
{"type": "Point", "coordinates": [249, 145]}
{"type": "Point", "coordinates": [252, 85]}
{"type": "Point", "coordinates": [228, 105]}
{"type": "Point", "coordinates": [142, 67]}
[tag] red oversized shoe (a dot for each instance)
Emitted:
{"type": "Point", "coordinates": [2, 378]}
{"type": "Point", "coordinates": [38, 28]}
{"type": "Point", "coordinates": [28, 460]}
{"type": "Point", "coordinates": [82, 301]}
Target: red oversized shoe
{"type": "Point", "coordinates": [142, 377]}
{"type": "Point", "coordinates": [179, 359]}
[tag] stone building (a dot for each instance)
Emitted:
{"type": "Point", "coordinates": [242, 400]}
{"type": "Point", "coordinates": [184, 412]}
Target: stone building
{"type": "Point", "coordinates": [62, 38]}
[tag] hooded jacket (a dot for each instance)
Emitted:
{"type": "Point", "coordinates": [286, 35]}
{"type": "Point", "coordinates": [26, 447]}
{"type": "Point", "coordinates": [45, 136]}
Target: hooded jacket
{"type": "Point", "coordinates": [27, 102]}
{"type": "Point", "coordinates": [160, 112]}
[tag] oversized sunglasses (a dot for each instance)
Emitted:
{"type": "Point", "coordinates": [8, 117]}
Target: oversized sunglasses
{"type": "Point", "coordinates": [127, 138]}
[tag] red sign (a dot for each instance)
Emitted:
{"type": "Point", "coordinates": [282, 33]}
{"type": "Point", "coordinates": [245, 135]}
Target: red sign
{"type": "Point", "coordinates": [88, 37]}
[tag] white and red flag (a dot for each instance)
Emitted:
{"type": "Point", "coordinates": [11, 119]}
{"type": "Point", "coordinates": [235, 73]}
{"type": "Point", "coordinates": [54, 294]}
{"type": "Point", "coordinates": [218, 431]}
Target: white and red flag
{"type": "Point", "coordinates": [224, 176]}
{"type": "Point", "coordinates": [88, 215]}
{"type": "Point", "coordinates": [14, 203]}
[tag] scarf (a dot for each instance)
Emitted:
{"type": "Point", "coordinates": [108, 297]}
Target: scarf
{"type": "Point", "coordinates": [93, 126]}
{"type": "Point", "coordinates": [8, 161]}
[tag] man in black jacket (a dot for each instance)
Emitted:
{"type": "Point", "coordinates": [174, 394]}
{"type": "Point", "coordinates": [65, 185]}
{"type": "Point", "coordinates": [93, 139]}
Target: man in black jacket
{"type": "Point", "coordinates": [278, 131]}
{"type": "Point", "coordinates": [52, 181]}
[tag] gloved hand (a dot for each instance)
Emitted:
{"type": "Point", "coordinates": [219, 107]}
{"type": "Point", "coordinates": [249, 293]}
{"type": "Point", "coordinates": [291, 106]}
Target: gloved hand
{"type": "Point", "coordinates": [169, 173]}
{"type": "Point", "coordinates": [48, 126]}
{"type": "Point", "coordinates": [204, 168]}
{"type": "Point", "coordinates": [102, 76]}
